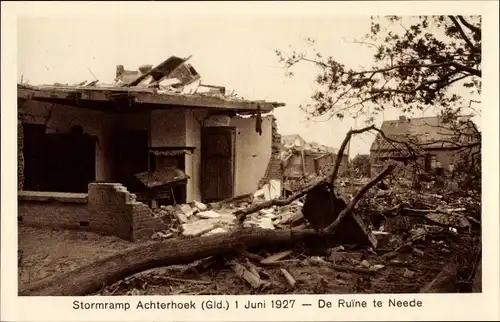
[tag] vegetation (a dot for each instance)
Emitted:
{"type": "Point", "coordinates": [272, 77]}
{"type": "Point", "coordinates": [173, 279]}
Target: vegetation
{"type": "Point", "coordinates": [418, 61]}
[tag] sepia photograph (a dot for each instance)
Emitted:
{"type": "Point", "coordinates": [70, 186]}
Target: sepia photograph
{"type": "Point", "coordinates": [249, 155]}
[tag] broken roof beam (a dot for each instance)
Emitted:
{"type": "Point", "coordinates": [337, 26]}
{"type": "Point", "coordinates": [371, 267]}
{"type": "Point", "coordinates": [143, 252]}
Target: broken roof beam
{"type": "Point", "coordinates": [205, 101]}
{"type": "Point", "coordinates": [106, 95]}
{"type": "Point", "coordinates": [162, 70]}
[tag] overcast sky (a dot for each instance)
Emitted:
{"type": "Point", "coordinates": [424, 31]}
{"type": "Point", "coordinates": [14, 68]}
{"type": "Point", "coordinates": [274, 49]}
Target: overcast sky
{"type": "Point", "coordinates": [236, 52]}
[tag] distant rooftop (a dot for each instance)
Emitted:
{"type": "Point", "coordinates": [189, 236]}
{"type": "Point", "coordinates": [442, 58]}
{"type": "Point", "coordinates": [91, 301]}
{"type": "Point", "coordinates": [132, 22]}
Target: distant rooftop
{"type": "Point", "coordinates": [428, 132]}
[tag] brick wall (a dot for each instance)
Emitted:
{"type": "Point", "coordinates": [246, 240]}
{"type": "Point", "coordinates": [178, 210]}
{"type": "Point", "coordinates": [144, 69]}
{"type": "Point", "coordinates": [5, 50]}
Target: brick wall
{"type": "Point", "coordinates": [123, 215]}
{"type": "Point", "coordinates": [144, 224]}
{"type": "Point", "coordinates": [20, 156]}
{"type": "Point", "coordinates": [53, 213]}
{"type": "Point", "coordinates": [273, 170]}
{"type": "Point", "coordinates": [325, 163]}
{"type": "Point", "coordinates": [110, 205]}
{"type": "Point", "coordinates": [108, 208]}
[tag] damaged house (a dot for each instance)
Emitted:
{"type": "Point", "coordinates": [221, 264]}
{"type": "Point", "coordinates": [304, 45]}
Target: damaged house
{"type": "Point", "coordinates": [434, 143]}
{"type": "Point", "coordinates": [301, 159]}
{"type": "Point", "coordinates": [162, 143]}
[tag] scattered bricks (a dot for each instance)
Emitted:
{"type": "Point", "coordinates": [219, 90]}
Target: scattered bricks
{"type": "Point", "coordinates": [144, 222]}
{"type": "Point", "coordinates": [408, 274]}
{"type": "Point", "coordinates": [180, 217]}
{"type": "Point", "coordinates": [215, 231]}
{"type": "Point", "coordinates": [186, 210]}
{"type": "Point", "coordinates": [200, 206]}
{"type": "Point", "coordinates": [383, 238]}
{"type": "Point", "coordinates": [208, 214]}
{"type": "Point", "coordinates": [199, 227]}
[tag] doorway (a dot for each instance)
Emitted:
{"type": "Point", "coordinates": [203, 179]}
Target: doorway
{"type": "Point", "coordinates": [217, 155]}
{"type": "Point", "coordinates": [132, 157]}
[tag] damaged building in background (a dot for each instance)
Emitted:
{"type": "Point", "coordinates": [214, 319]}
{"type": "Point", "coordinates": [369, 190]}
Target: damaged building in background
{"type": "Point", "coordinates": [157, 131]}
{"type": "Point", "coordinates": [301, 159]}
{"type": "Point", "coordinates": [424, 144]}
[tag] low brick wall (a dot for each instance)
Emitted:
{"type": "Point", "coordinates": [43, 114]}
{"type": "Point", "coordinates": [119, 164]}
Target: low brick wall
{"type": "Point", "coordinates": [53, 210]}
{"type": "Point", "coordinates": [108, 208]}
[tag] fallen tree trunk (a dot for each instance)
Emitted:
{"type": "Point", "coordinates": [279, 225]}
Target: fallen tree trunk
{"type": "Point", "coordinates": [444, 282]}
{"type": "Point", "coordinates": [91, 278]}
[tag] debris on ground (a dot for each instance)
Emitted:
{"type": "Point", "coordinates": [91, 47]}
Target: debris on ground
{"type": "Point", "coordinates": [417, 233]}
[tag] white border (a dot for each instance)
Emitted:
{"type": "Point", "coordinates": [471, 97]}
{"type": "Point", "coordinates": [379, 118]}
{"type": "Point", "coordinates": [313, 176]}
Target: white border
{"type": "Point", "coordinates": [435, 307]}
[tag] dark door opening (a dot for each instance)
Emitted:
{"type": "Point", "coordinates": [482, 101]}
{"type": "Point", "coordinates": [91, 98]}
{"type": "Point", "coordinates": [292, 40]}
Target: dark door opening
{"type": "Point", "coordinates": [34, 156]}
{"type": "Point", "coordinates": [132, 157]}
{"type": "Point", "coordinates": [57, 162]}
{"type": "Point", "coordinates": [217, 153]}
{"type": "Point", "coordinates": [70, 160]}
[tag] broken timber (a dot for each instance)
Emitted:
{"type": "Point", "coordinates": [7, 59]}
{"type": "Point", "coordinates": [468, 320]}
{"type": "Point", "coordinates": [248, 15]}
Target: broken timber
{"type": "Point", "coordinates": [90, 278]}
{"type": "Point", "coordinates": [333, 227]}
{"type": "Point", "coordinates": [76, 96]}
{"type": "Point", "coordinates": [444, 282]}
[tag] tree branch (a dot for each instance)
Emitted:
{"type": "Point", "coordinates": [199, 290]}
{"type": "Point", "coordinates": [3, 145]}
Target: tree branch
{"type": "Point", "coordinates": [440, 84]}
{"type": "Point", "coordinates": [469, 25]}
{"type": "Point", "coordinates": [350, 206]}
{"type": "Point", "coordinates": [414, 66]}
{"type": "Point", "coordinates": [241, 214]}
{"type": "Point", "coordinates": [340, 154]}
{"type": "Point", "coordinates": [462, 33]}
{"type": "Point", "coordinates": [470, 70]}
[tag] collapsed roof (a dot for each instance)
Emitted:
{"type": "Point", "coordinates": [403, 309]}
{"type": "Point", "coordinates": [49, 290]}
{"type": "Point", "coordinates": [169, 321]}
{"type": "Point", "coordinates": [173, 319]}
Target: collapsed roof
{"type": "Point", "coordinates": [295, 143]}
{"type": "Point", "coordinates": [163, 86]}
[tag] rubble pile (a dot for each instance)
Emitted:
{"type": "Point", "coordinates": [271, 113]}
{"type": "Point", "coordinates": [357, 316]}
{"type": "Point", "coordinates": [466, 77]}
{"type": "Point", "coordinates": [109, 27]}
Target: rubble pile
{"type": "Point", "coordinates": [197, 219]}
{"type": "Point", "coordinates": [418, 232]}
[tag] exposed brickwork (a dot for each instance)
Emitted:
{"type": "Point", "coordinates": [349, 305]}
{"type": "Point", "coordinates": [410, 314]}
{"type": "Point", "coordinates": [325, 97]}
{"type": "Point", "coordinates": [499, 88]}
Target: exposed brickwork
{"type": "Point", "coordinates": [20, 156]}
{"type": "Point", "coordinates": [128, 218]}
{"type": "Point", "coordinates": [143, 221]}
{"type": "Point", "coordinates": [54, 214]}
{"type": "Point", "coordinates": [273, 171]}
{"type": "Point", "coordinates": [111, 203]}
{"type": "Point", "coordinates": [108, 209]}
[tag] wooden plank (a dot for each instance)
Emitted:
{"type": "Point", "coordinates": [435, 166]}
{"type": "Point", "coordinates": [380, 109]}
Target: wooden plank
{"type": "Point", "coordinates": [162, 70]}
{"type": "Point", "coordinates": [203, 101]}
{"type": "Point", "coordinates": [146, 97]}
{"type": "Point", "coordinates": [275, 257]}
{"type": "Point", "coordinates": [444, 282]}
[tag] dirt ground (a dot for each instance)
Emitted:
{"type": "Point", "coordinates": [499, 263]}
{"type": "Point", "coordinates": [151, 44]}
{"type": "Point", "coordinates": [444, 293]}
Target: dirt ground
{"type": "Point", "coordinates": [406, 273]}
{"type": "Point", "coordinates": [49, 251]}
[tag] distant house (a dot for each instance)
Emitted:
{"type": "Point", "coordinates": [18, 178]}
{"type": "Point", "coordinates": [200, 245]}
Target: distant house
{"type": "Point", "coordinates": [433, 142]}
{"type": "Point", "coordinates": [292, 140]}
{"type": "Point", "coordinates": [301, 159]}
